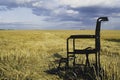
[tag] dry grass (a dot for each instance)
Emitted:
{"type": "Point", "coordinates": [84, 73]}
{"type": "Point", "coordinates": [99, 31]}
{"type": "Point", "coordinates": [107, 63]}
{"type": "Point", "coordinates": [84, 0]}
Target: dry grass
{"type": "Point", "coordinates": [26, 55]}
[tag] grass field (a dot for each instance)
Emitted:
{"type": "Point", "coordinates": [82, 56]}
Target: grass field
{"type": "Point", "coordinates": [27, 54]}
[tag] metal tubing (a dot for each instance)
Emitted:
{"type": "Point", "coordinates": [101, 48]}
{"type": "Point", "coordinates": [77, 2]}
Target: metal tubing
{"type": "Point", "coordinates": [67, 64]}
{"type": "Point", "coordinates": [73, 51]}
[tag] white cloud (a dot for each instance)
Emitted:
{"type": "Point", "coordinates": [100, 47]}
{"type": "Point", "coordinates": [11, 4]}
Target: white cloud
{"type": "Point", "coordinates": [51, 4]}
{"type": "Point", "coordinates": [38, 4]}
{"type": "Point", "coordinates": [22, 1]}
{"type": "Point", "coordinates": [63, 11]}
{"type": "Point", "coordinates": [59, 11]}
{"type": "Point", "coordinates": [72, 12]}
{"type": "Point", "coordinates": [86, 3]}
{"type": "Point", "coordinates": [116, 14]}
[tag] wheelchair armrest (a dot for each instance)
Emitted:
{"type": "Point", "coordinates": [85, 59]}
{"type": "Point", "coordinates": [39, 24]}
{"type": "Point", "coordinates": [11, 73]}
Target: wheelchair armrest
{"type": "Point", "coordinates": [81, 36]}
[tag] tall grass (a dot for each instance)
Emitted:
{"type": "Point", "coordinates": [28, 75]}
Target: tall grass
{"type": "Point", "coordinates": [27, 54]}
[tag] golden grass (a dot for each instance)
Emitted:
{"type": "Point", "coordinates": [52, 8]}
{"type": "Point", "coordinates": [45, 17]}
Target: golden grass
{"type": "Point", "coordinates": [27, 54]}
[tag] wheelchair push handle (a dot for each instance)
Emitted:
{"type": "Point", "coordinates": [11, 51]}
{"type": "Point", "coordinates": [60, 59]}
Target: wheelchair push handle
{"type": "Point", "coordinates": [102, 19]}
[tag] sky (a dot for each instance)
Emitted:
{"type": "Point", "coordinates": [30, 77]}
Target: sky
{"type": "Point", "coordinates": [58, 14]}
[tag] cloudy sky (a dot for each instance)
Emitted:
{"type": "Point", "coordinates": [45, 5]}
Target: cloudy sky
{"type": "Point", "coordinates": [58, 14]}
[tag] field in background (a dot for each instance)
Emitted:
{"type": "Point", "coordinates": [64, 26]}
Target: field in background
{"type": "Point", "coordinates": [27, 54]}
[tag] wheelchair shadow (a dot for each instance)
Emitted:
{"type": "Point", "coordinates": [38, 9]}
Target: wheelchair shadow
{"type": "Point", "coordinates": [52, 68]}
{"type": "Point", "coordinates": [80, 72]}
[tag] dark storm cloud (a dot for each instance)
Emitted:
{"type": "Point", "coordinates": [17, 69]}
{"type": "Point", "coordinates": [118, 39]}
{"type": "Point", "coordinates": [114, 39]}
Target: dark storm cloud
{"type": "Point", "coordinates": [97, 11]}
{"type": "Point", "coordinates": [8, 4]}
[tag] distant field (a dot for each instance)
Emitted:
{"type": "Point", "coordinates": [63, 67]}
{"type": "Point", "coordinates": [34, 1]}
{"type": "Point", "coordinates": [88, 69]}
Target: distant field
{"type": "Point", "coordinates": [27, 54]}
